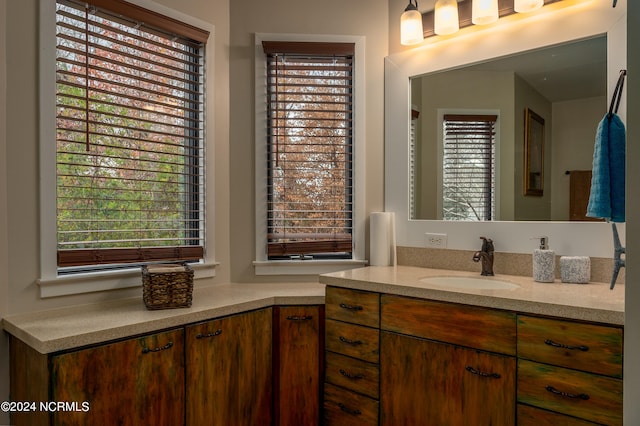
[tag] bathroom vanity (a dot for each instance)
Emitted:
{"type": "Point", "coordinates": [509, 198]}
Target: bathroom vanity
{"type": "Point", "coordinates": [403, 350]}
{"type": "Point", "coordinates": [242, 354]}
{"type": "Point", "coordinates": [401, 345]}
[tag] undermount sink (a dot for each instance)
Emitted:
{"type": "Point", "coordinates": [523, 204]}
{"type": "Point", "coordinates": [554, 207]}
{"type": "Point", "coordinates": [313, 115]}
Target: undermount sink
{"type": "Point", "coordinates": [478, 283]}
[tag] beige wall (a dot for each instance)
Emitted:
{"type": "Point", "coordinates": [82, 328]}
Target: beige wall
{"type": "Point", "coordinates": [531, 207]}
{"type": "Point", "coordinates": [4, 288]}
{"type": "Point", "coordinates": [574, 128]}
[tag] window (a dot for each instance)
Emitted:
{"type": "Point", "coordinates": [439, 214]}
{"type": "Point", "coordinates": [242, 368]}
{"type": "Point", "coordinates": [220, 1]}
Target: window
{"type": "Point", "coordinates": [129, 135]}
{"type": "Point", "coordinates": [310, 149]}
{"type": "Point", "coordinates": [468, 181]}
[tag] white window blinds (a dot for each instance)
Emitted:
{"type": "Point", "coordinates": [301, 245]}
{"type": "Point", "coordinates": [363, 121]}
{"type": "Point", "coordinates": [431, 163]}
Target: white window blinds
{"type": "Point", "coordinates": [310, 149]}
{"type": "Point", "coordinates": [130, 135]}
{"type": "Point", "coordinates": [469, 167]}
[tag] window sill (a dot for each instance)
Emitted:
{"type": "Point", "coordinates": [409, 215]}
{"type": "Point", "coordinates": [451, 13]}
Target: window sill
{"type": "Point", "coordinates": [304, 267]}
{"type": "Point", "coordinates": [107, 280]}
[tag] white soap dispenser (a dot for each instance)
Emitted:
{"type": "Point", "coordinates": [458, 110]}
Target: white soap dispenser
{"type": "Point", "coordinates": [544, 263]}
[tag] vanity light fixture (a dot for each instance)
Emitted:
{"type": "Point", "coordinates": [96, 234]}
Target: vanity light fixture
{"type": "Point", "coordinates": [446, 17]}
{"type": "Point", "coordinates": [526, 6]}
{"type": "Point", "coordinates": [411, 24]}
{"type": "Point", "coordinates": [441, 20]}
{"type": "Point", "coordinates": [484, 12]}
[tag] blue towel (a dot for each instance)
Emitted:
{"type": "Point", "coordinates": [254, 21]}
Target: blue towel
{"type": "Point", "coordinates": [607, 197]}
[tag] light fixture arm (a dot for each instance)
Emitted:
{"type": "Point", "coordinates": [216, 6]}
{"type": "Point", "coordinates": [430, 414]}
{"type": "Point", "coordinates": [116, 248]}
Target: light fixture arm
{"type": "Point", "coordinates": [413, 5]}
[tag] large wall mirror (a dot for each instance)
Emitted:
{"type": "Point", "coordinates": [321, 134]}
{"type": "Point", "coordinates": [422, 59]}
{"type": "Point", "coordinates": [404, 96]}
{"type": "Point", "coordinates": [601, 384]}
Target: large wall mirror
{"type": "Point", "coordinates": [500, 71]}
{"type": "Point", "coordinates": [546, 104]}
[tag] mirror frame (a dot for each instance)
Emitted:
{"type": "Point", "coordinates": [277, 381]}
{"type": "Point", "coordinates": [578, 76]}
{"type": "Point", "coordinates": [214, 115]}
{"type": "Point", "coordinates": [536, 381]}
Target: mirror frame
{"type": "Point", "coordinates": [554, 24]}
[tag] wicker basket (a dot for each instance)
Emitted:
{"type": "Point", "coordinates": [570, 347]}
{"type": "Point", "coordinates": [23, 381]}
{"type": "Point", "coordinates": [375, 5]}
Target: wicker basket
{"type": "Point", "coordinates": [167, 286]}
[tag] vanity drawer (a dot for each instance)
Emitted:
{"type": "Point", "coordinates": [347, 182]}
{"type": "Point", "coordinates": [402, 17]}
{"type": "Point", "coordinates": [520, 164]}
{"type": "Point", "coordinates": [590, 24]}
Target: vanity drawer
{"type": "Point", "coordinates": [345, 408]}
{"type": "Point", "coordinates": [471, 326]}
{"type": "Point", "coordinates": [358, 307]}
{"type": "Point", "coordinates": [353, 374]}
{"type": "Point", "coordinates": [588, 396]}
{"type": "Point", "coordinates": [352, 340]}
{"type": "Point", "coordinates": [531, 416]}
{"type": "Point", "coordinates": [587, 347]}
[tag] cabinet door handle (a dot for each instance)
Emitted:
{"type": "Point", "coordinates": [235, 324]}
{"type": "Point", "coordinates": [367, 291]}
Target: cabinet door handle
{"type": "Point", "coordinates": [161, 348]}
{"type": "Point", "coordinates": [472, 370]}
{"type": "Point", "coordinates": [348, 410]}
{"type": "Point", "coordinates": [555, 391]}
{"type": "Point", "coordinates": [351, 376]}
{"type": "Point", "coordinates": [351, 307]}
{"type": "Point", "coordinates": [582, 348]}
{"type": "Point", "coordinates": [206, 335]}
{"type": "Point", "coordinates": [299, 318]}
{"type": "Point", "coordinates": [349, 341]}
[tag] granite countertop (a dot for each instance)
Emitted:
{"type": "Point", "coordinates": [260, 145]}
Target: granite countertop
{"type": "Point", "coordinates": [590, 302]}
{"type": "Point", "coordinates": [68, 328]}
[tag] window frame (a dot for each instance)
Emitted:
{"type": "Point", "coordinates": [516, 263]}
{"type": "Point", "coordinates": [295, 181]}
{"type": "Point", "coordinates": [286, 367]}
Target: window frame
{"type": "Point", "coordinates": [264, 266]}
{"type": "Point", "coordinates": [441, 114]}
{"type": "Point", "coordinates": [52, 283]}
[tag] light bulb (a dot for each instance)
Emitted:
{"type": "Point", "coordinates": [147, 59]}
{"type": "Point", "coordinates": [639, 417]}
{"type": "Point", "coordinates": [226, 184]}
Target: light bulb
{"type": "Point", "coordinates": [484, 12]}
{"type": "Point", "coordinates": [446, 17]}
{"type": "Point", "coordinates": [411, 26]}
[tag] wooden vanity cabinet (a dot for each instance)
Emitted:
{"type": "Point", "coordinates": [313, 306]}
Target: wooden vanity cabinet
{"type": "Point", "coordinates": [352, 338]}
{"type": "Point", "coordinates": [298, 336]}
{"type": "Point", "coordinates": [218, 372]}
{"type": "Point", "coordinates": [229, 370]}
{"type": "Point", "coordinates": [446, 364]}
{"type": "Point", "coordinates": [569, 368]}
{"type": "Point", "coordinates": [137, 381]}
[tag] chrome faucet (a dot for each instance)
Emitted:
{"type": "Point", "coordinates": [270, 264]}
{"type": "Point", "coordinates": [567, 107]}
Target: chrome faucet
{"type": "Point", "coordinates": [486, 256]}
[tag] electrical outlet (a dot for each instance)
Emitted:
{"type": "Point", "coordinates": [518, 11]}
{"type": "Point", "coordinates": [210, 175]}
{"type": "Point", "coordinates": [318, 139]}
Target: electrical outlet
{"type": "Point", "coordinates": [436, 240]}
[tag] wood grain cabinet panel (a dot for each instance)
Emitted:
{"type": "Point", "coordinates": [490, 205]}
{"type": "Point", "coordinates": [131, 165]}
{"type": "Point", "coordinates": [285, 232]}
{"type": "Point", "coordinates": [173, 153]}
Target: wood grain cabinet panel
{"type": "Point", "coordinates": [587, 396]}
{"type": "Point", "coordinates": [353, 306]}
{"type": "Point", "coordinates": [353, 374]}
{"type": "Point", "coordinates": [297, 364]}
{"type": "Point", "coordinates": [481, 328]}
{"type": "Point", "coordinates": [138, 381]}
{"type": "Point", "coordinates": [431, 383]}
{"type": "Point", "coordinates": [353, 340]}
{"type": "Point", "coordinates": [531, 416]}
{"type": "Point", "coordinates": [344, 408]}
{"type": "Point", "coordinates": [352, 343]}
{"type": "Point", "coordinates": [229, 370]}
{"type": "Point", "coordinates": [581, 346]}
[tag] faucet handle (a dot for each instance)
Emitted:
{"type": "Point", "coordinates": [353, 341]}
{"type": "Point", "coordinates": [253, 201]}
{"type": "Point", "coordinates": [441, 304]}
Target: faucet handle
{"type": "Point", "coordinates": [487, 245]}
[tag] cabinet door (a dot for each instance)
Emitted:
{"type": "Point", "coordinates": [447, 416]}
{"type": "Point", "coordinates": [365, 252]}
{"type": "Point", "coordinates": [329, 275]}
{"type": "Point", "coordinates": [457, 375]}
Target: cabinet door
{"type": "Point", "coordinates": [431, 383]}
{"type": "Point", "coordinates": [297, 364]}
{"type": "Point", "coordinates": [228, 369]}
{"type": "Point", "coordinates": [134, 382]}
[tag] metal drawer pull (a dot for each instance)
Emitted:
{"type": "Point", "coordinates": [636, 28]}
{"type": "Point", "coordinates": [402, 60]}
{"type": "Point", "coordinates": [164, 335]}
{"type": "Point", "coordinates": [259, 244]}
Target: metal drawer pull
{"type": "Point", "coordinates": [555, 391]}
{"type": "Point", "coordinates": [350, 342]}
{"type": "Point", "coordinates": [472, 370]}
{"type": "Point", "coordinates": [351, 307]}
{"type": "Point", "coordinates": [161, 348]}
{"type": "Point", "coordinates": [214, 334]}
{"type": "Point", "coordinates": [582, 348]}
{"type": "Point", "coordinates": [351, 376]}
{"type": "Point", "coordinates": [348, 410]}
{"type": "Point", "coordinates": [299, 318]}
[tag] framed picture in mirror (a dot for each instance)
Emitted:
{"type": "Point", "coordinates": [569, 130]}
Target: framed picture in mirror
{"type": "Point", "coordinates": [533, 153]}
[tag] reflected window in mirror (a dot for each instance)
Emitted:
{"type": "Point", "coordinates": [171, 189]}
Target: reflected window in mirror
{"type": "Point", "coordinates": [469, 167]}
{"type": "Point", "coordinates": [564, 84]}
